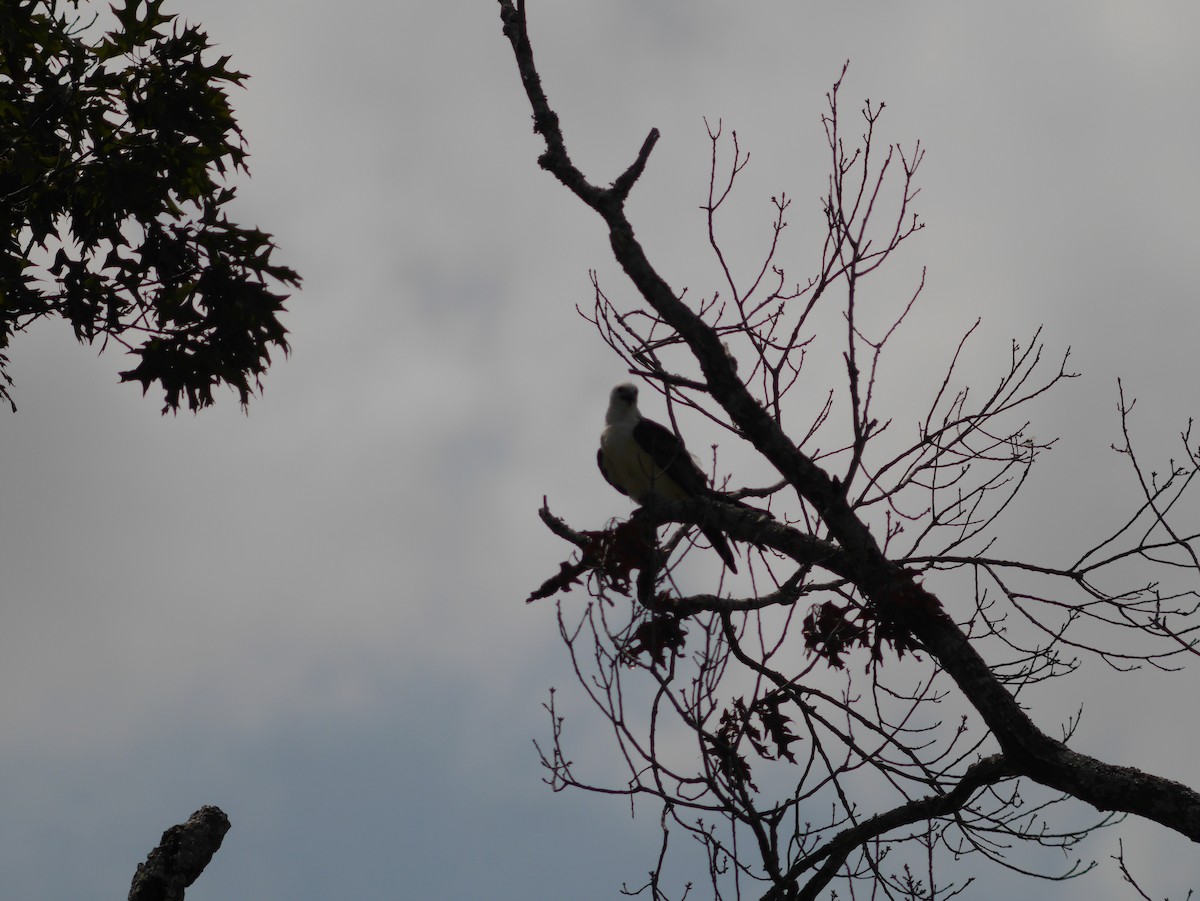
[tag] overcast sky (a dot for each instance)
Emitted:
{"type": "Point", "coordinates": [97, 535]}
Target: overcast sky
{"type": "Point", "coordinates": [313, 617]}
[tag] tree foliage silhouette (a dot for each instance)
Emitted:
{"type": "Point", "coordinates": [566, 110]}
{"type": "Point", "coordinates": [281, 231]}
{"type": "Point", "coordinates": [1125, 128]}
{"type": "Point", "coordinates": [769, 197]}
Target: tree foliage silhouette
{"type": "Point", "coordinates": [113, 146]}
{"type": "Point", "coordinates": [114, 143]}
{"type": "Point", "coordinates": [826, 717]}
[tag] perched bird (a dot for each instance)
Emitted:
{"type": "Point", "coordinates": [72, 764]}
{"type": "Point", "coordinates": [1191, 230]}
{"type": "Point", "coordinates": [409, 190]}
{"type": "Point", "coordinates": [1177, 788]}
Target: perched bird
{"type": "Point", "coordinates": [641, 458]}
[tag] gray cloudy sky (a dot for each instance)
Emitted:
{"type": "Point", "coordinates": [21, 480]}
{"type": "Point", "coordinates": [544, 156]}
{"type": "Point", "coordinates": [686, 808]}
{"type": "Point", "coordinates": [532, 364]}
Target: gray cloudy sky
{"type": "Point", "coordinates": [313, 616]}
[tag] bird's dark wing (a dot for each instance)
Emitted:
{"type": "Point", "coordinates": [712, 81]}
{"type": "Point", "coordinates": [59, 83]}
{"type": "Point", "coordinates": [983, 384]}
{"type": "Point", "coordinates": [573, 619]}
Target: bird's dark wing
{"type": "Point", "coordinates": [670, 455]}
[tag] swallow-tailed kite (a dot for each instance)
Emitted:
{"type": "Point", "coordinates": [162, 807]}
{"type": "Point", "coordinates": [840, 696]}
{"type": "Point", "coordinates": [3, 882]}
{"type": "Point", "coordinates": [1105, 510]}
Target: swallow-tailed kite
{"type": "Point", "coordinates": [640, 458]}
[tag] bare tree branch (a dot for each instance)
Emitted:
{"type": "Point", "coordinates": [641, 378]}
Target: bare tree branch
{"type": "Point", "coordinates": [846, 565]}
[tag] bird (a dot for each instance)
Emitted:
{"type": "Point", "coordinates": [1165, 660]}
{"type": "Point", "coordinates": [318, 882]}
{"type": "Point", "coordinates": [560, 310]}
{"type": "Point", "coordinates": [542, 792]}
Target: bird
{"type": "Point", "coordinates": [641, 458]}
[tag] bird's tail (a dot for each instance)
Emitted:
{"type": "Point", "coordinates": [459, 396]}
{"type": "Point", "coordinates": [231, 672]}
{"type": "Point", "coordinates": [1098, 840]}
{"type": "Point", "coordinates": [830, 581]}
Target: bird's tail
{"type": "Point", "coordinates": [720, 545]}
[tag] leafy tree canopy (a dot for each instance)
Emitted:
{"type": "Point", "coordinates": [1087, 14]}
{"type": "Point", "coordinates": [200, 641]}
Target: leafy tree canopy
{"type": "Point", "coordinates": [115, 139]}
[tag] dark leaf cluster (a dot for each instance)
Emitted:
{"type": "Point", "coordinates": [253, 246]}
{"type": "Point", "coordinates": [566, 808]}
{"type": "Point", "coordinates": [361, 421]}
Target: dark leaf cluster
{"type": "Point", "coordinates": [618, 551]}
{"type": "Point", "coordinates": [738, 723]}
{"type": "Point", "coordinates": [735, 724]}
{"type": "Point", "coordinates": [114, 147]}
{"type": "Point", "coordinates": [612, 554]}
{"type": "Point", "coordinates": [776, 724]}
{"type": "Point", "coordinates": [831, 630]}
{"type": "Point", "coordinates": [658, 636]}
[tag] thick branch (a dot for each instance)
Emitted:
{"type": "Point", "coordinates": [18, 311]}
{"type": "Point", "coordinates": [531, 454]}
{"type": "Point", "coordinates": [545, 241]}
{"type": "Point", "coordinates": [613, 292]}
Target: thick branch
{"type": "Point", "coordinates": [545, 120]}
{"type": "Point", "coordinates": [745, 524]}
{"type": "Point", "coordinates": [832, 856]}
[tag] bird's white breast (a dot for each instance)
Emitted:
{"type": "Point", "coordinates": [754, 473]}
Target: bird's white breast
{"type": "Point", "coordinates": [628, 466]}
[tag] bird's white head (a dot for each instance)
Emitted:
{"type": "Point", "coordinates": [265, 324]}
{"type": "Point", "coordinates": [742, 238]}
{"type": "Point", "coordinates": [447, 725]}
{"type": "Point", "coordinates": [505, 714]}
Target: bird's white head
{"type": "Point", "coordinates": [622, 404]}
